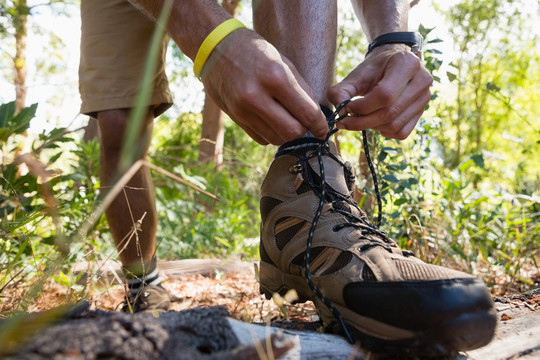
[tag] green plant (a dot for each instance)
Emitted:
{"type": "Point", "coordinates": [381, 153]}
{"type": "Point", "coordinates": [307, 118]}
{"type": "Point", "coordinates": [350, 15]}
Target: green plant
{"type": "Point", "coordinates": [46, 194]}
{"type": "Point", "coordinates": [192, 224]}
{"type": "Point", "coordinates": [455, 217]}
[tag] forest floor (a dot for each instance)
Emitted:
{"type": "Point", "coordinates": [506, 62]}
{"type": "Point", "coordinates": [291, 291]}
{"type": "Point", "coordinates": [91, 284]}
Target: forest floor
{"type": "Point", "coordinates": [207, 283]}
{"type": "Point", "coordinates": [234, 285]}
{"type": "Point", "coordinates": [235, 288]}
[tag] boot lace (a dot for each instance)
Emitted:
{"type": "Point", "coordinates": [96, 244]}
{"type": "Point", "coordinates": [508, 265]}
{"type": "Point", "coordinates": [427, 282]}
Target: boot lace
{"type": "Point", "coordinates": [342, 205]}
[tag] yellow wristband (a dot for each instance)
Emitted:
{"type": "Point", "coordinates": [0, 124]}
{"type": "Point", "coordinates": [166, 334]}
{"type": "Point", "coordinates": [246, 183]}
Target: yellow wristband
{"type": "Point", "coordinates": [211, 41]}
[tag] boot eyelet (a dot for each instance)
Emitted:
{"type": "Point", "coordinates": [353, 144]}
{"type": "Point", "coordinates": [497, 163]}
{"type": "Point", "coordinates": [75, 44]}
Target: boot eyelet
{"type": "Point", "coordinates": [296, 168]}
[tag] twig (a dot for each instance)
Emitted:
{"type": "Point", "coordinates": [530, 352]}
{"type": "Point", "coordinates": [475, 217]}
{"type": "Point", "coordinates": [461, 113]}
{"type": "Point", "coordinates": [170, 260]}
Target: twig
{"type": "Point", "coordinates": [180, 180]}
{"type": "Point", "coordinates": [111, 195]}
{"type": "Point", "coordinates": [115, 190]}
{"type": "Point", "coordinates": [277, 344]}
{"type": "Point", "coordinates": [10, 280]}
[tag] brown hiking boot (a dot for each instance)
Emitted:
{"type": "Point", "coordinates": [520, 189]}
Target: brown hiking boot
{"type": "Point", "coordinates": [389, 300]}
{"type": "Point", "coordinates": [149, 299]}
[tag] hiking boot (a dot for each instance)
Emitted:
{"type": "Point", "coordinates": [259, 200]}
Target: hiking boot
{"type": "Point", "coordinates": [149, 299]}
{"type": "Point", "coordinates": [389, 300]}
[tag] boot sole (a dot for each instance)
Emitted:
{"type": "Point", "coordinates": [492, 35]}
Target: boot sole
{"type": "Point", "coordinates": [468, 331]}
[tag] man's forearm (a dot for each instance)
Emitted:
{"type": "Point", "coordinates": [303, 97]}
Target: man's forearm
{"type": "Point", "coordinates": [382, 16]}
{"type": "Point", "coordinates": [190, 21]}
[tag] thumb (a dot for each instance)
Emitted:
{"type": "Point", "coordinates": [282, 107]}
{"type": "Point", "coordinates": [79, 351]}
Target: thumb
{"type": "Point", "coordinates": [341, 92]}
{"type": "Point", "coordinates": [357, 83]}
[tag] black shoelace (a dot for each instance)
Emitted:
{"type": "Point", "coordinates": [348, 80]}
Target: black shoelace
{"type": "Point", "coordinates": [354, 221]}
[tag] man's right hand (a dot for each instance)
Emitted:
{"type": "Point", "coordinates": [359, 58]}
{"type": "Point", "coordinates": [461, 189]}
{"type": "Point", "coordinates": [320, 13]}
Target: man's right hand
{"type": "Point", "coordinates": [261, 90]}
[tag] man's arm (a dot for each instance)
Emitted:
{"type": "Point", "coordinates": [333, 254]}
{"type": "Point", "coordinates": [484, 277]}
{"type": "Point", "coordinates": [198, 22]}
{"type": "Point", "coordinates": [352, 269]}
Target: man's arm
{"type": "Point", "coordinates": [245, 75]}
{"type": "Point", "coordinates": [381, 16]}
{"type": "Point", "coordinates": [189, 23]}
{"type": "Point", "coordinates": [392, 80]}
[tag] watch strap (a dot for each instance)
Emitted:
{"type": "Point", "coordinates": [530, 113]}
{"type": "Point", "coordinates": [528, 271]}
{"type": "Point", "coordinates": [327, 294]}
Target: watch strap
{"type": "Point", "coordinates": [412, 39]}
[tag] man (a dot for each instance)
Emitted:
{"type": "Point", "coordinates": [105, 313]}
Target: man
{"type": "Point", "coordinates": [276, 83]}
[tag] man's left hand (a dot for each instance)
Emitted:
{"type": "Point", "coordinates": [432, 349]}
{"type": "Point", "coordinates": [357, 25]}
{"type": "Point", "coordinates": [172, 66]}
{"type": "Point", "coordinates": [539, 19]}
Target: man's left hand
{"type": "Point", "coordinates": [394, 85]}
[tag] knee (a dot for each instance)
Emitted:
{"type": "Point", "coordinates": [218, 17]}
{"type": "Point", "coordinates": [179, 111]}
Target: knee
{"type": "Point", "coordinates": [113, 126]}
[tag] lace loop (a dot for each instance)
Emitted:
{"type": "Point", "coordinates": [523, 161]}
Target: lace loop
{"type": "Point", "coordinates": [340, 204]}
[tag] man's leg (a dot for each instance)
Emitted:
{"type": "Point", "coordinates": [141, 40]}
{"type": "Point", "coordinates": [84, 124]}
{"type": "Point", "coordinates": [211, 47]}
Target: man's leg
{"type": "Point", "coordinates": [305, 32]}
{"type": "Point", "coordinates": [115, 38]}
{"type": "Point", "coordinates": [132, 215]}
{"type": "Point", "coordinates": [389, 300]}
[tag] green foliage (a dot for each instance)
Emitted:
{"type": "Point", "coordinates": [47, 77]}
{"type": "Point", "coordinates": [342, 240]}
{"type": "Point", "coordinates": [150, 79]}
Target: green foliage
{"type": "Point", "coordinates": [445, 217]}
{"type": "Point", "coordinates": [13, 15]}
{"type": "Point", "coordinates": [350, 43]}
{"type": "Point", "coordinates": [432, 55]}
{"type": "Point", "coordinates": [192, 224]}
{"type": "Point", "coordinates": [16, 191]}
{"type": "Point", "coordinates": [42, 206]}
{"type": "Point", "coordinates": [11, 124]}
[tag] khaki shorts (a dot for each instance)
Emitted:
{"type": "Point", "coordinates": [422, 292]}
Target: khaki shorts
{"type": "Point", "coordinates": [114, 44]}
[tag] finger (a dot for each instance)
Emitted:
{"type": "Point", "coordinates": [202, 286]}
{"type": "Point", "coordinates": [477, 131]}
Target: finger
{"type": "Point", "coordinates": [402, 131]}
{"type": "Point", "coordinates": [256, 137]}
{"type": "Point", "coordinates": [269, 117]}
{"type": "Point", "coordinates": [356, 83]}
{"type": "Point", "coordinates": [405, 130]}
{"type": "Point", "coordinates": [417, 88]}
{"type": "Point", "coordinates": [397, 77]}
{"type": "Point", "coordinates": [390, 121]}
{"type": "Point", "coordinates": [297, 97]}
{"type": "Point", "coordinates": [253, 134]}
{"type": "Point", "coordinates": [403, 126]}
{"type": "Point", "coordinates": [259, 129]}
{"type": "Point", "coordinates": [281, 125]}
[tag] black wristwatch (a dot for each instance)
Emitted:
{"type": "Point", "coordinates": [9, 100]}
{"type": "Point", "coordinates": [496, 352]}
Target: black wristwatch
{"type": "Point", "coordinates": [412, 39]}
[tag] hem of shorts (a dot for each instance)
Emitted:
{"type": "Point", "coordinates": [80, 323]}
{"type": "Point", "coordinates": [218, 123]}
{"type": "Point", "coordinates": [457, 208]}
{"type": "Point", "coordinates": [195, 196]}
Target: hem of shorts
{"type": "Point", "coordinates": [91, 106]}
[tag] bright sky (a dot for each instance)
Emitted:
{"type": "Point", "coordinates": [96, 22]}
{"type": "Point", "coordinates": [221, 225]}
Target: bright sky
{"type": "Point", "coordinates": [58, 95]}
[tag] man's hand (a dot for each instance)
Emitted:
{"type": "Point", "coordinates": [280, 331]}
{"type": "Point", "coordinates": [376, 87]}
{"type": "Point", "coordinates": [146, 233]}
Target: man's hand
{"type": "Point", "coordinates": [261, 90]}
{"type": "Point", "coordinates": [395, 89]}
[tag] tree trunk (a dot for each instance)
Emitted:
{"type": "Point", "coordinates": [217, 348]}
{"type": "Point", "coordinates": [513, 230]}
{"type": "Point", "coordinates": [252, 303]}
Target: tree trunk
{"type": "Point", "coordinates": [212, 133]}
{"type": "Point", "coordinates": [20, 24]}
{"type": "Point", "coordinates": [459, 117]}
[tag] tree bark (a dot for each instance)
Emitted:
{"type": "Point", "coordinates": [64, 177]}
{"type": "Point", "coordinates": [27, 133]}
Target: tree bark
{"type": "Point", "coordinates": [212, 134]}
{"type": "Point", "coordinates": [20, 22]}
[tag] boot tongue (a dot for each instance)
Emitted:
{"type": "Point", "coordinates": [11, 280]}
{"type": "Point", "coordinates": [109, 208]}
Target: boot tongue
{"type": "Point", "coordinates": [345, 206]}
{"type": "Point", "coordinates": [333, 171]}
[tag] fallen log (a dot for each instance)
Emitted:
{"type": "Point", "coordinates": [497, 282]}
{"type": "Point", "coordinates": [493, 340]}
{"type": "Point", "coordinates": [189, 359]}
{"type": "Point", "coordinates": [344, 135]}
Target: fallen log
{"type": "Point", "coordinates": [200, 333]}
{"type": "Point", "coordinates": [208, 333]}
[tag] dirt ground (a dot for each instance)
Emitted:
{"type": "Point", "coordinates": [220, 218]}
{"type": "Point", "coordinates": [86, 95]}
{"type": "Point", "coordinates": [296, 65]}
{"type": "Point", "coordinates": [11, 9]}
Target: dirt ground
{"type": "Point", "coordinates": [236, 288]}
{"type": "Point", "coordinates": [237, 291]}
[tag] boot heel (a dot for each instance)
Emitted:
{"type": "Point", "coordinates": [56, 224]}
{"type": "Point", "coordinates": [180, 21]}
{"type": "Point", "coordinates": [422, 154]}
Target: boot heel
{"type": "Point", "coordinates": [272, 280]}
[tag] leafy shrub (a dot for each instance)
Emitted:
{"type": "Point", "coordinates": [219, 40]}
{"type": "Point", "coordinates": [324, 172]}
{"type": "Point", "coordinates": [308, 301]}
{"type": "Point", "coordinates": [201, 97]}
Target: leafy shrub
{"type": "Point", "coordinates": [192, 224]}
{"type": "Point", "coordinates": [45, 195]}
{"type": "Point", "coordinates": [455, 217]}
